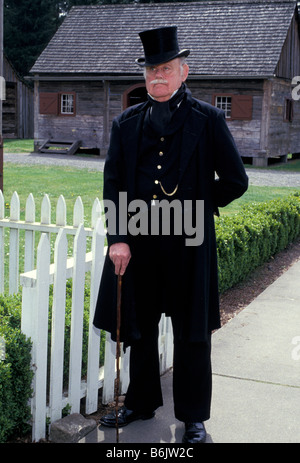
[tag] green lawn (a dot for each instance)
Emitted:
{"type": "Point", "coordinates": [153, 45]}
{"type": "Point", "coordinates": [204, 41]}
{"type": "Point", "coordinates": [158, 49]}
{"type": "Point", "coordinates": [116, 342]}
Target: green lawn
{"type": "Point", "coordinates": [54, 181]}
{"type": "Point", "coordinates": [70, 183]}
{"type": "Point", "coordinates": [257, 194]}
{"type": "Point", "coordinates": [18, 146]}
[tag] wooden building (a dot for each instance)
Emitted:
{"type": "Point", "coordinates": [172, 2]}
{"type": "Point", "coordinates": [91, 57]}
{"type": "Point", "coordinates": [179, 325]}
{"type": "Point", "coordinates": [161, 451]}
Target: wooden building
{"type": "Point", "coordinates": [244, 54]}
{"type": "Point", "coordinates": [17, 108]}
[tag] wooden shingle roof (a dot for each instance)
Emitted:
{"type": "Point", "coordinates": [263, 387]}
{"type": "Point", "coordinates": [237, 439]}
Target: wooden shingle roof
{"type": "Point", "coordinates": [226, 38]}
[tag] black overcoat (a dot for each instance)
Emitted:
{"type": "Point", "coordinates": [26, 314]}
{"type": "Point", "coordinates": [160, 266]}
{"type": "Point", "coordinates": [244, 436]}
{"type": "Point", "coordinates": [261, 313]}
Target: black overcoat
{"type": "Point", "coordinates": [211, 170]}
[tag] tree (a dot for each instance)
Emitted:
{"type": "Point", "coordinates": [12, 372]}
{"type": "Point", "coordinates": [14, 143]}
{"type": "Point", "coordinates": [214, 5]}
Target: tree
{"type": "Point", "coordinates": [66, 5]}
{"type": "Point", "coordinates": [28, 27]}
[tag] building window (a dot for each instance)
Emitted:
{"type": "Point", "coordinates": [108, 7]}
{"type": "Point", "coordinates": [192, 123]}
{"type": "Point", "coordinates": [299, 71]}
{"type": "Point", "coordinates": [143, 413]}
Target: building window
{"type": "Point", "coordinates": [224, 103]}
{"type": "Point", "coordinates": [67, 104]}
{"type": "Point", "coordinates": [289, 110]}
{"type": "Point", "coordinates": [235, 107]}
{"type": "Point", "coordinates": [58, 104]}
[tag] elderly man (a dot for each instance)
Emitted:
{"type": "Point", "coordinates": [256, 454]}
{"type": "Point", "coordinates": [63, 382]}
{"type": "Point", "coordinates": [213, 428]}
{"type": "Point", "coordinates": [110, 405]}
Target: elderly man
{"type": "Point", "coordinates": [168, 148]}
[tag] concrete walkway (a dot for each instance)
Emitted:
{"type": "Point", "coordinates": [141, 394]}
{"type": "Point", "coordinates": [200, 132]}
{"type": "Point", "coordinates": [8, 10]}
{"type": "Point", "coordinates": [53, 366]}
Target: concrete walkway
{"type": "Point", "coordinates": [256, 378]}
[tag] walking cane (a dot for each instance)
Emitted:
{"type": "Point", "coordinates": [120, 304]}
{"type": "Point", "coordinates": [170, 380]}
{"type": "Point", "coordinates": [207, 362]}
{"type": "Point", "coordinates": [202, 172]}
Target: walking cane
{"type": "Point", "coordinates": [119, 292]}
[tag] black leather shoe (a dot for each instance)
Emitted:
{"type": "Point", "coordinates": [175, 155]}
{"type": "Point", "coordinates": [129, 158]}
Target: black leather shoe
{"type": "Point", "coordinates": [195, 433]}
{"type": "Point", "coordinates": [125, 416]}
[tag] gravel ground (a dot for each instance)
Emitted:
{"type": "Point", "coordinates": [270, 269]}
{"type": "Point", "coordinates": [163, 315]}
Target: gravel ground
{"type": "Point", "coordinates": [269, 177]}
{"type": "Point", "coordinates": [64, 160]}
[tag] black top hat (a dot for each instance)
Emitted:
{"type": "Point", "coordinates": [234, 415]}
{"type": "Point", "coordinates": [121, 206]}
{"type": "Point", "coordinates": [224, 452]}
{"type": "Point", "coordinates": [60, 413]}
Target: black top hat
{"type": "Point", "coordinates": [160, 45]}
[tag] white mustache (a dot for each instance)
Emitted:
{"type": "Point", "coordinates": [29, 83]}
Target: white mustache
{"type": "Point", "coordinates": [158, 81]}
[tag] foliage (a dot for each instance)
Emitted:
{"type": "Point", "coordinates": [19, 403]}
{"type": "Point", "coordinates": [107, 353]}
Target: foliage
{"type": "Point", "coordinates": [249, 238]}
{"type": "Point", "coordinates": [15, 371]}
{"type": "Point", "coordinates": [28, 27]}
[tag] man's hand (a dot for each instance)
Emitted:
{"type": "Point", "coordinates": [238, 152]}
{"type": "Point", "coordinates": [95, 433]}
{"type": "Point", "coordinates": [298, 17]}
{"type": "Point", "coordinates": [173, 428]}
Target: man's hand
{"type": "Point", "coordinates": [120, 255]}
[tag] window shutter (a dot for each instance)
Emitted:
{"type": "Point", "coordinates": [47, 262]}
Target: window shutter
{"type": "Point", "coordinates": [49, 103]}
{"type": "Point", "coordinates": [241, 107]}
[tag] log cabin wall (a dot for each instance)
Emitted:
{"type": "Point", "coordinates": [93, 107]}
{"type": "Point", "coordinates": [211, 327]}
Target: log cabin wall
{"type": "Point", "coordinates": [85, 123]}
{"type": "Point", "coordinates": [282, 135]}
{"type": "Point", "coordinates": [18, 107]}
{"type": "Point", "coordinates": [245, 132]}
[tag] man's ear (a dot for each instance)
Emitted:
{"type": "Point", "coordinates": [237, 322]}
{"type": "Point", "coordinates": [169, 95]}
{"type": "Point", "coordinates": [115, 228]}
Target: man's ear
{"type": "Point", "coordinates": [185, 72]}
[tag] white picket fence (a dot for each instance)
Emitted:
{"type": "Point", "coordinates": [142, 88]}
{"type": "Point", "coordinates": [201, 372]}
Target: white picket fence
{"type": "Point", "coordinates": [49, 397]}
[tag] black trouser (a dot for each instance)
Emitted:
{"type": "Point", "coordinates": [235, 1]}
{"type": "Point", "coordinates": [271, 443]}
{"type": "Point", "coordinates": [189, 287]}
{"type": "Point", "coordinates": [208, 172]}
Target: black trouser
{"type": "Point", "coordinates": [159, 287]}
{"type": "Point", "coordinates": [191, 376]}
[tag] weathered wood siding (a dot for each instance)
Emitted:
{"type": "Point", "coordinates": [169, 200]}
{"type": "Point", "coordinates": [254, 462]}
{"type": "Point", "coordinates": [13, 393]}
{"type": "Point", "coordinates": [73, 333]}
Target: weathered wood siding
{"type": "Point", "coordinates": [266, 134]}
{"type": "Point", "coordinates": [289, 62]}
{"type": "Point", "coordinates": [87, 123]}
{"type": "Point", "coordinates": [245, 132]}
{"type": "Point", "coordinates": [18, 106]}
{"type": "Point", "coordinates": [97, 103]}
{"type": "Point", "coordinates": [282, 137]}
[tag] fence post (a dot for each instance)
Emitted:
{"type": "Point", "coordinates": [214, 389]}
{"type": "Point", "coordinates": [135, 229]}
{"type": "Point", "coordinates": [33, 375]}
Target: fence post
{"type": "Point", "coordinates": [94, 333]}
{"type": "Point", "coordinates": [78, 212]}
{"type": "Point", "coordinates": [46, 212]}
{"type": "Point", "coordinates": [124, 376]}
{"type": "Point", "coordinates": [77, 319]}
{"type": "Point", "coordinates": [108, 393]}
{"type": "Point", "coordinates": [61, 212]}
{"type": "Point", "coordinates": [14, 246]}
{"type": "Point", "coordinates": [29, 235]}
{"type": "Point", "coordinates": [40, 338]}
{"type": "Point", "coordinates": [58, 326]}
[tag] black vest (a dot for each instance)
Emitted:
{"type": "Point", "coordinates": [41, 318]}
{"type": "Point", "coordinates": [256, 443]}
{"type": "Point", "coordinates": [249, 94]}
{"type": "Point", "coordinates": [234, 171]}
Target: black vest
{"type": "Point", "coordinates": [160, 149]}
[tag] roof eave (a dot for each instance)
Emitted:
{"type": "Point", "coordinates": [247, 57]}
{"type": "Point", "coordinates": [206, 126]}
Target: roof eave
{"type": "Point", "coordinates": [94, 77]}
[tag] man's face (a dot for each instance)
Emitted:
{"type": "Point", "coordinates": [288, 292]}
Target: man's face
{"type": "Point", "coordinates": [164, 79]}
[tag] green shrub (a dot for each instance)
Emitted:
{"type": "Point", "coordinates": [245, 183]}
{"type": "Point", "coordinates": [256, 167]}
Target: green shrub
{"type": "Point", "coordinates": [15, 371]}
{"type": "Point", "coordinates": [249, 238]}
